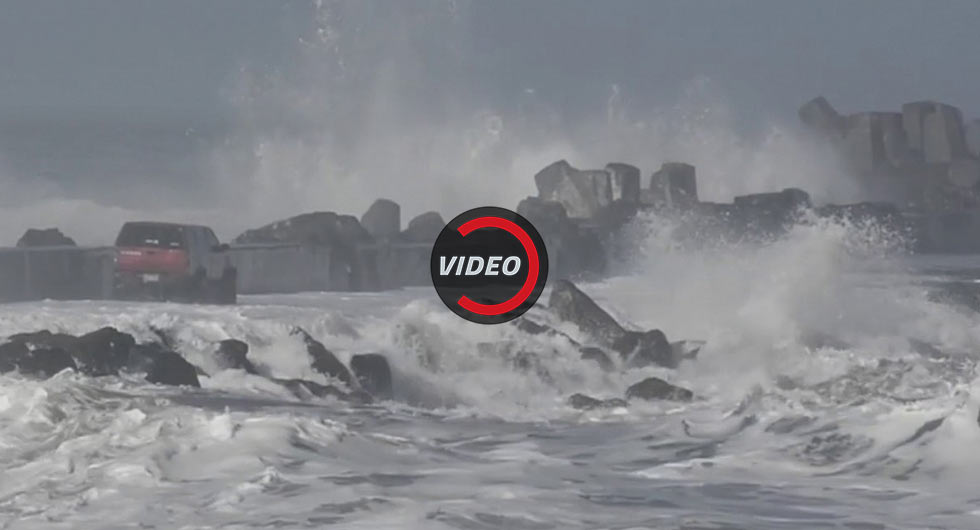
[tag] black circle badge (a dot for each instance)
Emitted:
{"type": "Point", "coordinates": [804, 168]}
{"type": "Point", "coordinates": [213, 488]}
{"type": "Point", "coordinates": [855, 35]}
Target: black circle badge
{"type": "Point", "coordinates": [489, 265]}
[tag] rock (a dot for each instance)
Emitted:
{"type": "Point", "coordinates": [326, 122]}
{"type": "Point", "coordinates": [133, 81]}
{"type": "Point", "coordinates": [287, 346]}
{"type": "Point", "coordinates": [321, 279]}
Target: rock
{"type": "Point", "coordinates": [233, 354]}
{"type": "Point", "coordinates": [316, 228]}
{"type": "Point", "coordinates": [48, 237]}
{"type": "Point", "coordinates": [373, 374]}
{"type": "Point", "coordinates": [571, 304]}
{"type": "Point", "coordinates": [625, 182]}
{"type": "Point", "coordinates": [531, 327]}
{"type": "Point", "coordinates": [169, 368]}
{"type": "Point", "coordinates": [583, 402]}
{"type": "Point", "coordinates": [324, 361]}
{"type": "Point", "coordinates": [645, 348]}
{"type": "Point", "coordinates": [45, 362]}
{"type": "Point", "coordinates": [821, 116]}
{"type": "Point", "coordinates": [935, 131]}
{"type": "Point", "coordinates": [383, 219]}
{"type": "Point", "coordinates": [674, 186]}
{"type": "Point", "coordinates": [653, 388]}
{"type": "Point", "coordinates": [582, 193]}
{"type": "Point", "coordinates": [40, 361]}
{"type": "Point", "coordinates": [591, 353]}
{"type": "Point", "coordinates": [882, 213]}
{"type": "Point", "coordinates": [102, 352]}
{"type": "Point", "coordinates": [424, 228]}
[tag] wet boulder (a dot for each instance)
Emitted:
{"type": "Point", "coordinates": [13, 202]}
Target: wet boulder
{"type": "Point", "coordinates": [584, 402]}
{"type": "Point", "coordinates": [423, 228]}
{"type": "Point", "coordinates": [646, 348]}
{"type": "Point", "coordinates": [39, 361]}
{"type": "Point", "coordinates": [233, 354]}
{"type": "Point", "coordinates": [45, 362]}
{"type": "Point", "coordinates": [654, 388]}
{"type": "Point", "coordinates": [383, 220]}
{"type": "Point", "coordinates": [581, 192]}
{"type": "Point", "coordinates": [102, 352]}
{"type": "Point", "coordinates": [169, 368]}
{"type": "Point", "coordinates": [47, 237]}
{"type": "Point", "coordinates": [373, 374]}
{"type": "Point", "coordinates": [302, 388]}
{"type": "Point", "coordinates": [571, 304]}
{"type": "Point", "coordinates": [323, 360]}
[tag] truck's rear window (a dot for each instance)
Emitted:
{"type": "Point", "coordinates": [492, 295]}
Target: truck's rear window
{"type": "Point", "coordinates": [159, 236]}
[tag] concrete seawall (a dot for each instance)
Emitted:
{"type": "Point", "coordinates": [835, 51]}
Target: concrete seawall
{"type": "Point", "coordinates": [80, 273]}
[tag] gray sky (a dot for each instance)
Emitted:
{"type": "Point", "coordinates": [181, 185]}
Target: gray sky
{"type": "Point", "coordinates": [766, 55]}
{"type": "Point", "coordinates": [239, 112]}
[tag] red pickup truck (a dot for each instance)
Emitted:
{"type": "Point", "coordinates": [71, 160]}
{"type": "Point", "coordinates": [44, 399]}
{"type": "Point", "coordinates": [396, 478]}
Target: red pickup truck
{"type": "Point", "coordinates": [173, 262]}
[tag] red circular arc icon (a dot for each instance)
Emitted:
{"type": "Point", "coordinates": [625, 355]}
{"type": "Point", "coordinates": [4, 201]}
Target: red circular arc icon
{"type": "Point", "coordinates": [532, 272]}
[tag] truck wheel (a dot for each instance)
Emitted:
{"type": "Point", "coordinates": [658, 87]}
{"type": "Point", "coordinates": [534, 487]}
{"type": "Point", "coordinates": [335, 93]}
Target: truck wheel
{"type": "Point", "coordinates": [227, 291]}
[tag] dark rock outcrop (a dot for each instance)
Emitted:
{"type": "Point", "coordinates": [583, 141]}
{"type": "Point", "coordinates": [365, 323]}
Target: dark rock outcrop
{"type": "Point", "coordinates": [571, 304]}
{"type": "Point", "coordinates": [373, 374]}
{"type": "Point", "coordinates": [625, 180]}
{"type": "Point", "coordinates": [573, 249]}
{"type": "Point", "coordinates": [324, 361]}
{"type": "Point", "coordinates": [38, 362]}
{"type": "Point", "coordinates": [674, 186]}
{"type": "Point", "coordinates": [653, 388]}
{"type": "Point", "coordinates": [646, 348]}
{"type": "Point", "coordinates": [233, 354]}
{"type": "Point", "coordinates": [584, 402]}
{"type": "Point", "coordinates": [48, 237]}
{"type": "Point", "coordinates": [597, 355]}
{"type": "Point", "coordinates": [383, 219]}
{"type": "Point", "coordinates": [169, 368]}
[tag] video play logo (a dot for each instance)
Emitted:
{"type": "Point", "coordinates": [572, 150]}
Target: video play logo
{"type": "Point", "coordinates": [489, 265]}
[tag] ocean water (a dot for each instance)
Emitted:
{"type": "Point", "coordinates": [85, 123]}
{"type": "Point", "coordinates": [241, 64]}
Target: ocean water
{"type": "Point", "coordinates": [835, 390]}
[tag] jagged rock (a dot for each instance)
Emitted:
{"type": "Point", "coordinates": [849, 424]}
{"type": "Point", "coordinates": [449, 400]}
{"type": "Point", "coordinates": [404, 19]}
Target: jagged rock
{"type": "Point", "coordinates": [571, 304]}
{"type": "Point", "coordinates": [581, 192]}
{"type": "Point", "coordinates": [316, 228]}
{"type": "Point", "coordinates": [45, 362]}
{"type": "Point", "coordinates": [169, 368]}
{"type": "Point", "coordinates": [625, 182]}
{"type": "Point", "coordinates": [583, 402]}
{"type": "Point", "coordinates": [935, 130]}
{"type": "Point", "coordinates": [48, 237]}
{"type": "Point", "coordinates": [102, 352]}
{"type": "Point", "coordinates": [646, 348]}
{"type": "Point", "coordinates": [324, 361]}
{"type": "Point", "coordinates": [424, 228]}
{"type": "Point", "coordinates": [673, 186]}
{"type": "Point", "coordinates": [373, 373]}
{"type": "Point", "coordinates": [383, 219]}
{"type": "Point", "coordinates": [531, 327]}
{"type": "Point", "coordinates": [233, 354]}
{"type": "Point", "coordinates": [39, 362]}
{"type": "Point", "coordinates": [597, 355]}
{"type": "Point", "coordinates": [820, 115]}
{"type": "Point", "coordinates": [653, 388]}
